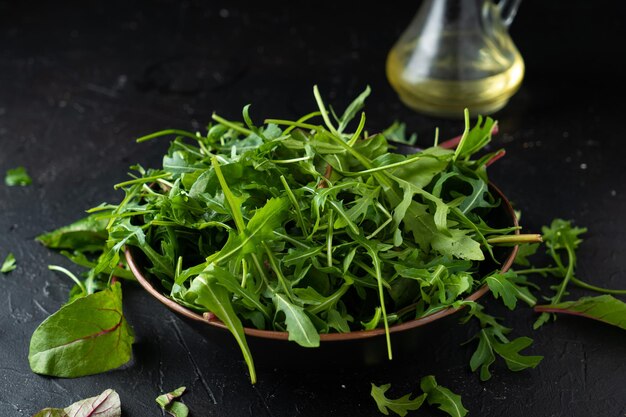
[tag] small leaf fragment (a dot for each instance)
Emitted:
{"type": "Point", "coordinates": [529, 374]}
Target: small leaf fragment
{"type": "Point", "coordinates": [169, 404]}
{"type": "Point", "coordinates": [17, 176]}
{"type": "Point", "coordinates": [9, 264]}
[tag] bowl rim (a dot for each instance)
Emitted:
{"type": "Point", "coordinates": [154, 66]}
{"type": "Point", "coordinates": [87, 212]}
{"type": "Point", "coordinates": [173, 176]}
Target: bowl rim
{"type": "Point", "coordinates": [328, 337]}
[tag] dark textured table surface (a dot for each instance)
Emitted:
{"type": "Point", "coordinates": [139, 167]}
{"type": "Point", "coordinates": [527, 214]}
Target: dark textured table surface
{"type": "Point", "coordinates": [78, 82]}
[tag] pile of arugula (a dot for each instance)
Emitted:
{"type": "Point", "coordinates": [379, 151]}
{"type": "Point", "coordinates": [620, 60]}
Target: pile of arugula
{"type": "Point", "coordinates": [293, 226]}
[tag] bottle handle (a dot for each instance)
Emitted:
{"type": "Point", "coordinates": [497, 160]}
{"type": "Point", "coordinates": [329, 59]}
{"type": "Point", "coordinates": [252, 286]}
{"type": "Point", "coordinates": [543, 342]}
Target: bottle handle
{"type": "Point", "coordinates": [508, 9]}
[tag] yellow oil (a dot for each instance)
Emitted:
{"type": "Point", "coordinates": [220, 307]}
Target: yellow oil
{"type": "Point", "coordinates": [448, 98]}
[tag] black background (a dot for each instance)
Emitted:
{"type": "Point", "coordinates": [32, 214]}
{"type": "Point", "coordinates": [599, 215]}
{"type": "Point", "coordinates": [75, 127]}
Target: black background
{"type": "Point", "coordinates": [79, 81]}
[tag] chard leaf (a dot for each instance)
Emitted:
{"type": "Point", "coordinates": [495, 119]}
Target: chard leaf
{"type": "Point", "coordinates": [401, 406]}
{"type": "Point", "coordinates": [17, 176]}
{"type": "Point", "coordinates": [85, 337]}
{"type": "Point", "coordinates": [216, 299]}
{"type": "Point", "coordinates": [458, 245]}
{"type": "Point", "coordinates": [88, 234]}
{"type": "Point", "coordinates": [507, 286]}
{"type": "Point", "coordinates": [604, 308]}
{"type": "Point", "coordinates": [301, 329]}
{"type": "Point", "coordinates": [169, 404]}
{"type": "Point", "coordinates": [447, 401]}
{"type": "Point", "coordinates": [8, 264]}
{"type": "Point", "coordinates": [106, 404]}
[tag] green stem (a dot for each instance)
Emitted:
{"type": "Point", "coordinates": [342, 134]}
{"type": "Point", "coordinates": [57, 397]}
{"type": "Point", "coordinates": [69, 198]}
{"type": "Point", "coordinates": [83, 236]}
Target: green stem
{"type": "Point", "coordinates": [584, 285]}
{"type": "Point", "coordinates": [232, 125]}
{"type": "Point", "coordinates": [69, 274]}
{"type": "Point", "coordinates": [515, 239]}
{"type": "Point", "coordinates": [230, 198]}
{"type": "Point", "coordinates": [279, 273]}
{"type": "Point", "coordinates": [295, 204]}
{"type": "Point", "coordinates": [329, 239]}
{"type": "Point", "coordinates": [324, 112]}
{"type": "Point", "coordinates": [568, 275]}
{"type": "Point", "coordinates": [168, 132]}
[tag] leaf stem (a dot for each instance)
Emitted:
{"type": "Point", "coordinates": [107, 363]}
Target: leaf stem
{"type": "Point", "coordinates": [231, 125]}
{"type": "Point", "coordinates": [515, 239]}
{"type": "Point", "coordinates": [167, 132]}
{"type": "Point", "coordinates": [69, 274]}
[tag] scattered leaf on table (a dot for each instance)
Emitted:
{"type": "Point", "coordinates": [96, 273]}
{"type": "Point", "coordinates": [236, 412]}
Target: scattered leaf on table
{"type": "Point", "coordinates": [9, 264]}
{"type": "Point", "coordinates": [401, 406]}
{"type": "Point", "coordinates": [604, 308]}
{"type": "Point", "coordinates": [446, 400]}
{"type": "Point", "coordinates": [85, 337]}
{"type": "Point", "coordinates": [169, 404]}
{"type": "Point", "coordinates": [17, 176]}
{"type": "Point", "coordinates": [106, 404]}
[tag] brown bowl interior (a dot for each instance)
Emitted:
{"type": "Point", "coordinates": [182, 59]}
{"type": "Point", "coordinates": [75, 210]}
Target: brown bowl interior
{"type": "Point", "coordinates": [330, 337]}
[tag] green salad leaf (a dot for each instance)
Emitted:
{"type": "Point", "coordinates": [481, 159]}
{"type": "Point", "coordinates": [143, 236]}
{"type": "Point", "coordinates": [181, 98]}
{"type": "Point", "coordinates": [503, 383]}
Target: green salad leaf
{"type": "Point", "coordinates": [604, 308]}
{"type": "Point", "coordinates": [17, 176]}
{"type": "Point", "coordinates": [9, 264]}
{"type": "Point", "coordinates": [401, 406]}
{"type": "Point", "coordinates": [168, 403]}
{"type": "Point", "coordinates": [106, 404]}
{"type": "Point", "coordinates": [87, 336]}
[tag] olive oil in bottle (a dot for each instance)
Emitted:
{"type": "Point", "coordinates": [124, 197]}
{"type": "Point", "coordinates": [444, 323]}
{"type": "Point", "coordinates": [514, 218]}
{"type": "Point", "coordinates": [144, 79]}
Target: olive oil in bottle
{"type": "Point", "coordinates": [456, 55]}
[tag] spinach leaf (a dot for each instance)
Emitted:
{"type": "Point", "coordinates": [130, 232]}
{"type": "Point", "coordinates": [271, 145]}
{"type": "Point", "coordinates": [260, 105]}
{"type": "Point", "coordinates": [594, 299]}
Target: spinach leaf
{"type": "Point", "coordinates": [85, 337]}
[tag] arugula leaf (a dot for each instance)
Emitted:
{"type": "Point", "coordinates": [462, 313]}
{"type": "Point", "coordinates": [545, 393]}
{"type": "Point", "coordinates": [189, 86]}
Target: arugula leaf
{"type": "Point", "coordinates": [106, 404]}
{"type": "Point", "coordinates": [17, 176]}
{"type": "Point", "coordinates": [401, 406]}
{"type": "Point", "coordinates": [604, 308]}
{"type": "Point", "coordinates": [510, 353]}
{"type": "Point", "coordinates": [492, 340]}
{"type": "Point", "coordinates": [458, 245]}
{"type": "Point", "coordinates": [524, 251]}
{"type": "Point", "coordinates": [508, 287]}
{"type": "Point", "coordinates": [447, 401]}
{"type": "Point", "coordinates": [301, 329]}
{"type": "Point", "coordinates": [85, 337]}
{"type": "Point", "coordinates": [88, 234]}
{"type": "Point", "coordinates": [8, 264]}
{"type": "Point", "coordinates": [172, 407]}
{"type": "Point", "coordinates": [475, 138]}
{"type": "Point", "coordinates": [560, 237]}
{"type": "Point", "coordinates": [206, 292]}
